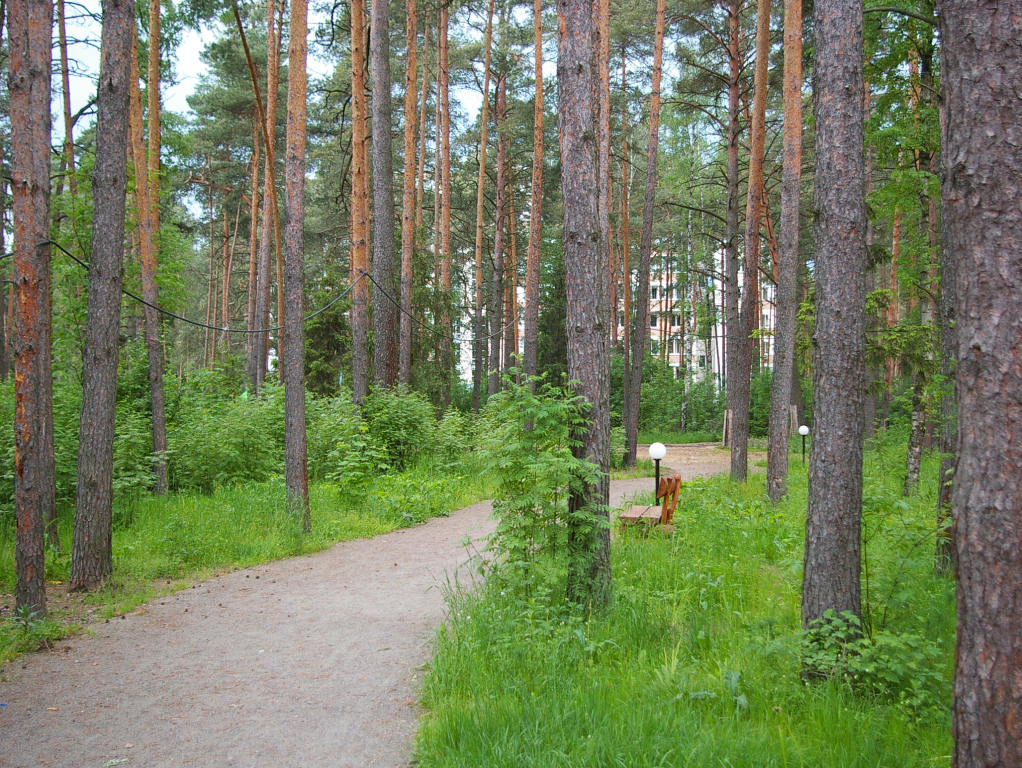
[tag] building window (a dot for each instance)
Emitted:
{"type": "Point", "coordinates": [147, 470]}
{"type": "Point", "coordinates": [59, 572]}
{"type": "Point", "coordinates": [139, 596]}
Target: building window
{"type": "Point", "coordinates": [621, 319]}
{"type": "Point", "coordinates": [675, 346]}
{"type": "Point", "coordinates": [675, 321]}
{"type": "Point", "coordinates": [702, 361]}
{"type": "Point", "coordinates": [653, 293]}
{"type": "Point", "coordinates": [679, 372]}
{"type": "Point", "coordinates": [652, 321]}
{"type": "Point", "coordinates": [654, 347]}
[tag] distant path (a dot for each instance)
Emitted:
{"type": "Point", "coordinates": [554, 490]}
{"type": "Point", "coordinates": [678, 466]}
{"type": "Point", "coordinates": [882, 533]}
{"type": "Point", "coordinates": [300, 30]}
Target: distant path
{"type": "Point", "coordinates": [312, 661]}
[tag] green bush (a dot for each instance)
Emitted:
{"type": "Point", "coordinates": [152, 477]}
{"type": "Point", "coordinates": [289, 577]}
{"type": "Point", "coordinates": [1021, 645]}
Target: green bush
{"type": "Point", "coordinates": [527, 447]}
{"type": "Point", "coordinates": [899, 668]}
{"type": "Point", "coordinates": [403, 422]}
{"type": "Point", "coordinates": [221, 443]}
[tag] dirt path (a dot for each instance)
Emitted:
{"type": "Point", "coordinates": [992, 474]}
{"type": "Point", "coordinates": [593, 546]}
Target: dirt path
{"type": "Point", "coordinates": [311, 661]}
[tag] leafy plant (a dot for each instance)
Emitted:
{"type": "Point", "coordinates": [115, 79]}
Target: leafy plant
{"type": "Point", "coordinates": [898, 668]}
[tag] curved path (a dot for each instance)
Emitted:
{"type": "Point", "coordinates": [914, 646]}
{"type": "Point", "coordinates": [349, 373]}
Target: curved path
{"type": "Point", "coordinates": [311, 661]}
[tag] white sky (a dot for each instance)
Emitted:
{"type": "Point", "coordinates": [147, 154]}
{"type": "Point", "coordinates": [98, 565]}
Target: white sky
{"type": "Point", "coordinates": [83, 34]}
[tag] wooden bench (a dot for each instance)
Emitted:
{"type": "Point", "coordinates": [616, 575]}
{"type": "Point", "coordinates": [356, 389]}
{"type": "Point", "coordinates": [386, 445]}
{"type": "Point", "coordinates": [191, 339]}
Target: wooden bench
{"type": "Point", "coordinates": [656, 515]}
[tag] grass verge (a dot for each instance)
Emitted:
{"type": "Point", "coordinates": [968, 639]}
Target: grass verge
{"type": "Point", "coordinates": [162, 544]}
{"type": "Point", "coordinates": [698, 662]}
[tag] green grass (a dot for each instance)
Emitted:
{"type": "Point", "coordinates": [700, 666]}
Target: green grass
{"type": "Point", "coordinates": [642, 468]}
{"type": "Point", "coordinates": [697, 662]}
{"type": "Point", "coordinates": [678, 438]}
{"type": "Point", "coordinates": [164, 544]}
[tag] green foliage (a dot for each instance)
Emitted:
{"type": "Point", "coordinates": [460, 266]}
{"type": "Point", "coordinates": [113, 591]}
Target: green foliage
{"type": "Point", "coordinates": [699, 661]}
{"type": "Point", "coordinates": [528, 446]}
{"type": "Point", "coordinates": [220, 443]}
{"type": "Point", "coordinates": [404, 422]}
{"type": "Point", "coordinates": [902, 668]}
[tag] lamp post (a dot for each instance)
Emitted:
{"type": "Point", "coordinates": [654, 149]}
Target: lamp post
{"type": "Point", "coordinates": [803, 430]}
{"type": "Point", "coordinates": [656, 452]}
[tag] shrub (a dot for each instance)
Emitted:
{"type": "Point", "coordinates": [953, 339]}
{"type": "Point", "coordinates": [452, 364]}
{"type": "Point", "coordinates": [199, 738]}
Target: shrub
{"type": "Point", "coordinates": [229, 442]}
{"type": "Point", "coordinates": [403, 422]}
{"type": "Point", "coordinates": [903, 669]}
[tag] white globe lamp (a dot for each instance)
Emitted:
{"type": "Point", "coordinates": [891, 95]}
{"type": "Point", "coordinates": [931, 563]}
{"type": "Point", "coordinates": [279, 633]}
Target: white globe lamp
{"type": "Point", "coordinates": [656, 452]}
{"type": "Point", "coordinates": [803, 430]}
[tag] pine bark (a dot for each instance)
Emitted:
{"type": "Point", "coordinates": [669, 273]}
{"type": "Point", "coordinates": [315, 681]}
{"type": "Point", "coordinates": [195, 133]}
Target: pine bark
{"type": "Point", "coordinates": [91, 554]}
{"type": "Point", "coordinates": [944, 555]}
{"type": "Point", "coordinates": [147, 258]}
{"type": "Point", "coordinates": [29, 45]}
{"type": "Point", "coordinates": [787, 263]}
{"type": "Point", "coordinates": [5, 360]}
{"type": "Point", "coordinates": [359, 209]}
{"type": "Point", "coordinates": [603, 32]}
{"type": "Point", "coordinates": [424, 97]}
{"type": "Point", "coordinates": [270, 220]}
{"type": "Point", "coordinates": [65, 80]}
{"type": "Point", "coordinates": [477, 342]}
{"type": "Point", "coordinates": [532, 254]}
{"type": "Point", "coordinates": [499, 218]}
{"type": "Point", "coordinates": [444, 108]}
{"type": "Point", "coordinates": [588, 336]}
{"type": "Point", "coordinates": [731, 328]}
{"type": "Point", "coordinates": [981, 169]}
{"type": "Point", "coordinates": [408, 207]}
{"type": "Point", "coordinates": [296, 465]}
{"type": "Point", "coordinates": [385, 324]}
{"type": "Point", "coordinates": [627, 401]}
{"type": "Point", "coordinates": [640, 332]}
{"type": "Point", "coordinates": [253, 240]}
{"type": "Point", "coordinates": [743, 351]}
{"type": "Point", "coordinates": [832, 566]}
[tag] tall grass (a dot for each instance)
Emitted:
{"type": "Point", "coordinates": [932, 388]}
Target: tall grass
{"type": "Point", "coordinates": [181, 536]}
{"type": "Point", "coordinates": [698, 660]}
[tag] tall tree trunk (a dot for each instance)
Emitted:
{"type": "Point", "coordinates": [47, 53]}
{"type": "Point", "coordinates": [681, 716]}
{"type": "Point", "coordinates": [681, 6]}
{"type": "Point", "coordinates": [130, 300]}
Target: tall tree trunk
{"type": "Point", "coordinates": [270, 213]}
{"type": "Point", "coordinates": [944, 559]}
{"type": "Point", "coordinates": [65, 80]}
{"type": "Point", "coordinates": [444, 109]}
{"type": "Point", "coordinates": [603, 131]}
{"type": "Point", "coordinates": [588, 337]}
{"type": "Point", "coordinates": [640, 339]}
{"type": "Point", "coordinates": [5, 360]}
{"type": "Point", "coordinates": [150, 293]}
{"type": "Point", "coordinates": [833, 523]}
{"type": "Point", "coordinates": [29, 44]}
{"type": "Point", "coordinates": [477, 342]}
{"type": "Point", "coordinates": [787, 263]}
{"type": "Point", "coordinates": [359, 209]}
{"type": "Point", "coordinates": [91, 554]}
{"type": "Point", "coordinates": [533, 250]}
{"type": "Point", "coordinates": [914, 457]}
{"type": "Point", "coordinates": [981, 169]}
{"type": "Point", "coordinates": [385, 325]}
{"type": "Point", "coordinates": [424, 97]}
{"type": "Point", "coordinates": [742, 351]}
{"type": "Point", "coordinates": [296, 465]}
{"type": "Point", "coordinates": [628, 403]}
{"type": "Point", "coordinates": [253, 241]}
{"type": "Point", "coordinates": [408, 209]}
{"type": "Point", "coordinates": [511, 285]}
{"type": "Point", "coordinates": [732, 330]}
{"type": "Point", "coordinates": [500, 215]}
{"type": "Point", "coordinates": [153, 98]}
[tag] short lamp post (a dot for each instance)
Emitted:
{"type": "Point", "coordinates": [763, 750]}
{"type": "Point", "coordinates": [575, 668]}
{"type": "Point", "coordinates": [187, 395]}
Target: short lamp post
{"type": "Point", "coordinates": [656, 452]}
{"type": "Point", "coordinates": [803, 430]}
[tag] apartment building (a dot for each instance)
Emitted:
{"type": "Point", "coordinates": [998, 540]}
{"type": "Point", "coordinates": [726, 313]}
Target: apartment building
{"type": "Point", "coordinates": [673, 338]}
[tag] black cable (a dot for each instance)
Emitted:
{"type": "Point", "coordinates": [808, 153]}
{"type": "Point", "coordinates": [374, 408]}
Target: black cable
{"type": "Point", "coordinates": [183, 319]}
{"type": "Point", "coordinates": [452, 336]}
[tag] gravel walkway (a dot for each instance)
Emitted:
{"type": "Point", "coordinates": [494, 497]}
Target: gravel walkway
{"type": "Point", "coordinates": [311, 661]}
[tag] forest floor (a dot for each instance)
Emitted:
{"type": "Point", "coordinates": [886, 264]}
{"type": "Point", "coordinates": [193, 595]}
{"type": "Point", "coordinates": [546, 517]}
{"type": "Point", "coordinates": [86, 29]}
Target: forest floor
{"type": "Point", "coordinates": [309, 661]}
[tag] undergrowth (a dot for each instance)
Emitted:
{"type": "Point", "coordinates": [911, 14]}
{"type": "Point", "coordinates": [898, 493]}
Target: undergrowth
{"type": "Point", "coordinates": [701, 659]}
